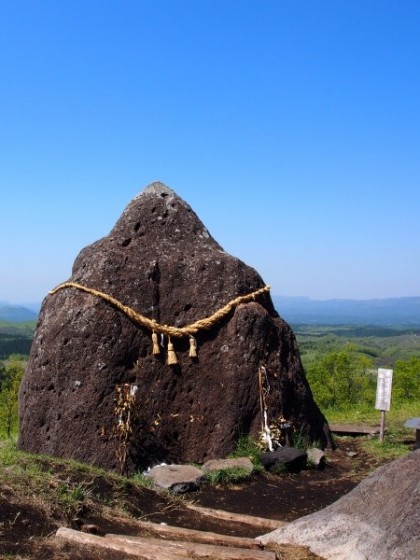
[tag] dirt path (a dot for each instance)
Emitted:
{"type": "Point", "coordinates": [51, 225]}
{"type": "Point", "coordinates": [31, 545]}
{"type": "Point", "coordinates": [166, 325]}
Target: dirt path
{"type": "Point", "coordinates": [290, 496]}
{"type": "Point", "coordinates": [27, 523]}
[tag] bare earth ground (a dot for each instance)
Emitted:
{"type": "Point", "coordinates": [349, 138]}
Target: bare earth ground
{"type": "Point", "coordinates": [28, 523]}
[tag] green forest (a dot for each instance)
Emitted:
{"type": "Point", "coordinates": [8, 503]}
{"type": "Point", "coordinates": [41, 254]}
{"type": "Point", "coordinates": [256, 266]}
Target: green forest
{"type": "Point", "coordinates": [16, 338]}
{"type": "Point", "coordinates": [341, 364]}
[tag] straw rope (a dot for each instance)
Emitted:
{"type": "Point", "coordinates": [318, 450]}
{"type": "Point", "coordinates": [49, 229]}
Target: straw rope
{"type": "Point", "coordinates": [154, 326]}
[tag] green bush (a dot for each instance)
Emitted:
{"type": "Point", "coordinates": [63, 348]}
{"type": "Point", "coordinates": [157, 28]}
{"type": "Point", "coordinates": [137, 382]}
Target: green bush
{"type": "Point", "coordinates": [11, 373]}
{"type": "Point", "coordinates": [406, 381]}
{"type": "Point", "coordinates": [342, 378]}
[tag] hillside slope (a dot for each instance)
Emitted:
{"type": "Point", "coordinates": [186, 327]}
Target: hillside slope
{"type": "Point", "coordinates": [16, 313]}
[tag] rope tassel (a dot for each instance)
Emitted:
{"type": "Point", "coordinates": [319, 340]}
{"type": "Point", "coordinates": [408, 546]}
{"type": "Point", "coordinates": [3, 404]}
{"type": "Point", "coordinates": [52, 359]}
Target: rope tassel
{"type": "Point", "coordinates": [193, 347]}
{"type": "Point", "coordinates": [155, 340]}
{"type": "Point", "coordinates": [172, 359]}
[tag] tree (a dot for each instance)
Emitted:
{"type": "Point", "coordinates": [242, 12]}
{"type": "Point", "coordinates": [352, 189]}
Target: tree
{"type": "Point", "coordinates": [406, 380]}
{"type": "Point", "coordinates": [11, 373]}
{"type": "Point", "coordinates": [341, 378]}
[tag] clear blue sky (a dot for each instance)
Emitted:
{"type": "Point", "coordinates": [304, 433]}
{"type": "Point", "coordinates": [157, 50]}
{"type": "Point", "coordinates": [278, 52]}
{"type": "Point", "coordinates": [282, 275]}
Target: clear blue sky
{"type": "Point", "coordinates": [291, 127]}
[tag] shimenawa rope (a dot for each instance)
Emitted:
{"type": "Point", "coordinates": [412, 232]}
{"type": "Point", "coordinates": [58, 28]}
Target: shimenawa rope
{"type": "Point", "coordinates": [171, 331]}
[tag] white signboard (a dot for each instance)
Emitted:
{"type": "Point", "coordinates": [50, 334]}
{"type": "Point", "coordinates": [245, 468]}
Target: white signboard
{"type": "Point", "coordinates": [383, 389]}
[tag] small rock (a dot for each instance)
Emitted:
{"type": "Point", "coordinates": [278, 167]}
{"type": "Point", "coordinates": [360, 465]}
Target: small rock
{"type": "Point", "coordinates": [89, 528]}
{"type": "Point", "coordinates": [221, 464]}
{"type": "Point", "coordinates": [316, 457]}
{"type": "Point", "coordinates": [177, 478]}
{"type": "Point", "coordinates": [287, 458]}
{"type": "Point", "coordinates": [351, 453]}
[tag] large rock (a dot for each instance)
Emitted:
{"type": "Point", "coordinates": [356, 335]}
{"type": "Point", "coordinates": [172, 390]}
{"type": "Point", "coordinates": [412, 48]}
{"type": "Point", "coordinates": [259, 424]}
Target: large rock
{"type": "Point", "coordinates": [160, 260]}
{"type": "Point", "coordinates": [177, 478]}
{"type": "Point", "coordinates": [378, 519]}
{"type": "Point", "coordinates": [287, 458]}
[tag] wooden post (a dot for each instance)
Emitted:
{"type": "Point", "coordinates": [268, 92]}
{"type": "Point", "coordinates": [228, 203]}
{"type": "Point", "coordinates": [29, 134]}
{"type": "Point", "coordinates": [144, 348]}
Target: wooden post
{"type": "Point", "coordinates": [383, 396]}
{"type": "Point", "coordinates": [382, 428]}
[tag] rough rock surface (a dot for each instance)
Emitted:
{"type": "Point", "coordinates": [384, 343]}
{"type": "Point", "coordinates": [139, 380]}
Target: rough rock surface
{"type": "Point", "coordinates": [160, 260]}
{"type": "Point", "coordinates": [378, 519]}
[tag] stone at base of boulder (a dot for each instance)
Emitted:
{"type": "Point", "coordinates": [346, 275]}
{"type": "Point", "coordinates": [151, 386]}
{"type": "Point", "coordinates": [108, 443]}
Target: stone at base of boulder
{"type": "Point", "coordinates": [284, 458]}
{"type": "Point", "coordinates": [234, 463]}
{"type": "Point", "coordinates": [316, 457]}
{"type": "Point", "coordinates": [177, 478]}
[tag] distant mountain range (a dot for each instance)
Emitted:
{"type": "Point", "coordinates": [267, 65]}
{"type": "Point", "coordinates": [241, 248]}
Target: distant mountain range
{"type": "Point", "coordinates": [16, 313]}
{"type": "Point", "coordinates": [382, 312]}
{"type": "Point", "coordinates": [301, 310]}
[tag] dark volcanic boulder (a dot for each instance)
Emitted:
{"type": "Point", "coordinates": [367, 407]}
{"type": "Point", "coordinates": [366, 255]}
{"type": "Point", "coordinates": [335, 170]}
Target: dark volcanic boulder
{"type": "Point", "coordinates": [289, 458]}
{"type": "Point", "coordinates": [161, 261]}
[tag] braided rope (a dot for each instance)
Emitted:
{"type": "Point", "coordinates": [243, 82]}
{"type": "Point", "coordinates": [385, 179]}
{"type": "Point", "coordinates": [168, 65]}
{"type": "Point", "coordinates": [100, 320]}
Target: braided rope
{"type": "Point", "coordinates": [152, 325]}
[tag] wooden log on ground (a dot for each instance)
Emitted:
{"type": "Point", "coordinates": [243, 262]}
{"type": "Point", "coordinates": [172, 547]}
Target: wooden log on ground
{"type": "Point", "coordinates": [186, 549]}
{"type": "Point", "coordinates": [86, 539]}
{"type": "Point", "coordinates": [253, 521]}
{"type": "Point", "coordinates": [205, 537]}
{"type": "Point", "coordinates": [155, 549]}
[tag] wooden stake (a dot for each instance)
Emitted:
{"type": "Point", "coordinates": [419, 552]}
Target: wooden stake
{"type": "Point", "coordinates": [382, 428]}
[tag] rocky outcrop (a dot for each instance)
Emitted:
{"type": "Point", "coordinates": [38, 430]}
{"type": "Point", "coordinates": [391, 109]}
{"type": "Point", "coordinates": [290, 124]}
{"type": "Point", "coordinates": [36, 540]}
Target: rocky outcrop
{"type": "Point", "coordinates": [161, 261]}
{"type": "Point", "coordinates": [378, 519]}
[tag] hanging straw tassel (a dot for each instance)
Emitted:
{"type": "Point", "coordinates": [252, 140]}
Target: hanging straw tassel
{"type": "Point", "coordinates": [155, 340]}
{"type": "Point", "coordinates": [172, 359]}
{"type": "Point", "coordinates": [193, 347]}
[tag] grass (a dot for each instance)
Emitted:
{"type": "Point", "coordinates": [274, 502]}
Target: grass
{"type": "Point", "coordinates": [248, 447]}
{"type": "Point", "coordinates": [62, 484]}
{"type": "Point", "coordinates": [7, 451]}
{"type": "Point", "coordinates": [71, 496]}
{"type": "Point", "coordinates": [393, 446]}
{"type": "Point", "coordinates": [53, 481]}
{"type": "Point", "coordinates": [230, 475]}
{"type": "Point", "coordinates": [396, 435]}
{"type": "Point", "coordinates": [41, 493]}
{"type": "Point", "coordinates": [395, 418]}
{"type": "Point", "coordinates": [142, 480]}
{"type": "Point", "coordinates": [387, 450]}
